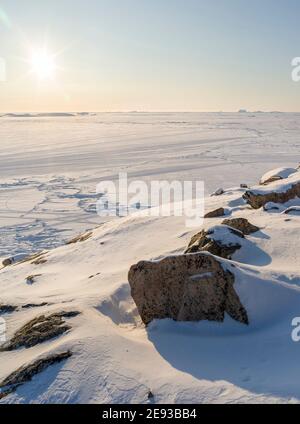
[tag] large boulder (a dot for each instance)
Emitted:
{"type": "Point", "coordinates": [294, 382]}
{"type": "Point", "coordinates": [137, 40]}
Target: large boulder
{"type": "Point", "coordinates": [219, 240]}
{"type": "Point", "coordinates": [185, 288]}
{"type": "Point", "coordinates": [241, 224]}
{"type": "Point", "coordinates": [277, 192]}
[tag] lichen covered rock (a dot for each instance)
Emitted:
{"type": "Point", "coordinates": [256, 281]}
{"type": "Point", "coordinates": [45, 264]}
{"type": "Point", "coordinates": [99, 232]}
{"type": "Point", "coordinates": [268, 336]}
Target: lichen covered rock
{"type": "Point", "coordinates": [39, 330]}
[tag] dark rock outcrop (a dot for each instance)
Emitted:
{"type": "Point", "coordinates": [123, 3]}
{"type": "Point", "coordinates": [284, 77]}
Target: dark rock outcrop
{"type": "Point", "coordinates": [270, 180]}
{"type": "Point", "coordinates": [185, 288]}
{"type": "Point", "coordinates": [7, 309]}
{"type": "Point", "coordinates": [34, 305]}
{"type": "Point", "coordinates": [220, 240]}
{"type": "Point", "coordinates": [27, 372]}
{"type": "Point", "coordinates": [257, 198]}
{"type": "Point", "coordinates": [7, 262]}
{"type": "Point", "coordinates": [39, 330]}
{"type": "Point", "coordinates": [218, 192]}
{"type": "Point", "coordinates": [39, 261]}
{"type": "Point", "coordinates": [242, 225]}
{"type": "Point", "coordinates": [80, 238]}
{"type": "Point", "coordinates": [31, 279]}
{"type": "Point", "coordinates": [215, 213]}
{"type": "Point", "coordinates": [35, 258]}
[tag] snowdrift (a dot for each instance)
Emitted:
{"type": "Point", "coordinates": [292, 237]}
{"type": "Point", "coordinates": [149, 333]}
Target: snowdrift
{"type": "Point", "coordinates": [106, 354]}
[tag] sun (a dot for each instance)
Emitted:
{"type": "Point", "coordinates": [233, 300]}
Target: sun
{"type": "Point", "coordinates": [43, 64]}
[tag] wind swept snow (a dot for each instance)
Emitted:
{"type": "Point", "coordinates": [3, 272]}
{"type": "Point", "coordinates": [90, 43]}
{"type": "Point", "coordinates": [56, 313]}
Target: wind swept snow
{"type": "Point", "coordinates": [51, 163]}
{"type": "Point", "coordinates": [56, 163]}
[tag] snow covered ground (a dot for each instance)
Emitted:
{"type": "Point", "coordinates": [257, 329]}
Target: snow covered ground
{"type": "Point", "coordinates": [49, 169]}
{"type": "Point", "coordinates": [50, 164]}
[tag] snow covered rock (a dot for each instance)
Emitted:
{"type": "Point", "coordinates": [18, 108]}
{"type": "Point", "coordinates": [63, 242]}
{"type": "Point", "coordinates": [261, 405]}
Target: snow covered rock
{"type": "Point", "coordinates": [277, 192]}
{"type": "Point", "coordinates": [276, 174]}
{"type": "Point", "coordinates": [271, 206]}
{"type": "Point", "coordinates": [218, 192]}
{"type": "Point", "coordinates": [241, 224]}
{"type": "Point", "coordinates": [185, 288]}
{"type": "Point", "coordinates": [219, 240]}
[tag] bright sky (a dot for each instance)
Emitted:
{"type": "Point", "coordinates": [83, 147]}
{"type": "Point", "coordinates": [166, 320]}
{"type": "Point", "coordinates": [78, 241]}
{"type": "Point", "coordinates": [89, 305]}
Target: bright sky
{"type": "Point", "coordinates": [111, 55]}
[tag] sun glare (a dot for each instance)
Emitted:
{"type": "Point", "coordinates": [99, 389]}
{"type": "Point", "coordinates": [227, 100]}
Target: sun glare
{"type": "Point", "coordinates": [43, 64]}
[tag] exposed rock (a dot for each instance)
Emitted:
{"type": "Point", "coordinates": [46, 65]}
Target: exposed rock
{"type": "Point", "coordinates": [276, 174]}
{"type": "Point", "coordinates": [31, 258]}
{"type": "Point", "coordinates": [39, 330]}
{"type": "Point", "coordinates": [36, 259]}
{"type": "Point", "coordinates": [39, 261]}
{"type": "Point", "coordinates": [26, 372]}
{"type": "Point", "coordinates": [244, 185]}
{"type": "Point", "coordinates": [294, 210]}
{"type": "Point", "coordinates": [7, 309]}
{"type": "Point", "coordinates": [220, 240]}
{"type": "Point", "coordinates": [81, 238]}
{"type": "Point", "coordinates": [279, 194]}
{"type": "Point", "coordinates": [218, 192]}
{"type": "Point", "coordinates": [34, 305]}
{"type": "Point", "coordinates": [241, 224]}
{"type": "Point", "coordinates": [215, 213]}
{"type": "Point", "coordinates": [7, 262]}
{"type": "Point", "coordinates": [150, 395]}
{"type": "Point", "coordinates": [31, 278]}
{"type": "Point", "coordinates": [94, 275]}
{"type": "Point", "coordinates": [185, 288]}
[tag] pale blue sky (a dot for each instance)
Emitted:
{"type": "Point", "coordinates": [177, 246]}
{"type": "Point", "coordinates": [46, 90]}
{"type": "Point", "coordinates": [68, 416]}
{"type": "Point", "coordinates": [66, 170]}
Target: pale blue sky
{"type": "Point", "coordinates": [152, 54]}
